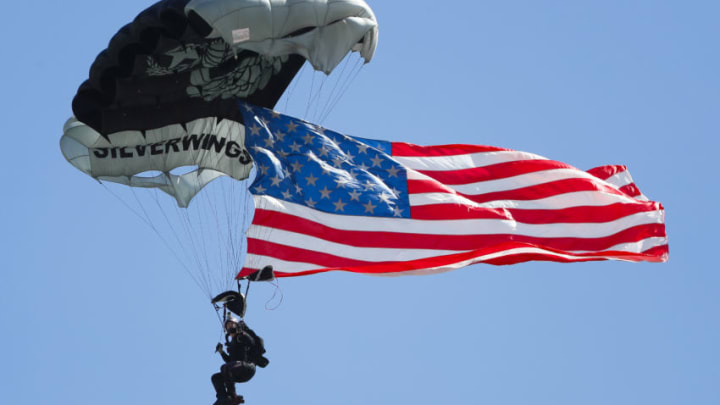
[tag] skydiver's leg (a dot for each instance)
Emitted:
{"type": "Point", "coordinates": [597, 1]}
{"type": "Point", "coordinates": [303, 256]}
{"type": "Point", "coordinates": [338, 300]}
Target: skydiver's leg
{"type": "Point", "coordinates": [237, 372]}
{"type": "Point", "coordinates": [228, 381]}
{"type": "Point", "coordinates": [218, 382]}
{"type": "Point", "coordinates": [242, 372]}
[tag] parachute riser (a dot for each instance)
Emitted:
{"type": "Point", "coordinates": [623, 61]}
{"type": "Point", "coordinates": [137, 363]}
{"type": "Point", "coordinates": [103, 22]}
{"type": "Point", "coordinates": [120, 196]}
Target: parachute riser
{"type": "Point", "coordinates": [235, 302]}
{"type": "Point", "coordinates": [247, 288]}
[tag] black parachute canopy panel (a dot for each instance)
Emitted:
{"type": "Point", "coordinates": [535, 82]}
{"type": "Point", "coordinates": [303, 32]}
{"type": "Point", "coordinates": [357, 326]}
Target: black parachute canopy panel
{"type": "Point", "coordinates": [161, 69]}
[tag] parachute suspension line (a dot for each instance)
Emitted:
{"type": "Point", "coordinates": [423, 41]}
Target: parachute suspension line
{"type": "Point", "coordinates": [316, 100]}
{"type": "Point", "coordinates": [195, 229]}
{"type": "Point", "coordinates": [144, 211]}
{"type": "Point", "coordinates": [347, 83]}
{"type": "Point", "coordinates": [217, 313]}
{"type": "Point", "coordinates": [164, 214]}
{"type": "Point", "coordinates": [235, 240]}
{"type": "Point", "coordinates": [190, 255]}
{"type": "Point", "coordinates": [212, 209]}
{"type": "Point", "coordinates": [202, 224]}
{"type": "Point", "coordinates": [229, 237]}
{"type": "Point", "coordinates": [247, 291]}
{"type": "Point", "coordinates": [206, 226]}
{"type": "Point", "coordinates": [294, 84]}
{"type": "Point", "coordinates": [203, 240]}
{"type": "Point", "coordinates": [149, 223]}
{"type": "Point", "coordinates": [125, 204]}
{"type": "Point", "coordinates": [310, 93]}
{"type": "Point", "coordinates": [332, 92]}
{"type": "Point", "coordinates": [205, 205]}
{"type": "Point", "coordinates": [199, 282]}
{"type": "Point", "coordinates": [351, 78]}
{"type": "Point", "coordinates": [239, 224]}
{"type": "Point", "coordinates": [220, 320]}
{"type": "Point", "coordinates": [174, 233]}
{"type": "Point", "coordinates": [191, 250]}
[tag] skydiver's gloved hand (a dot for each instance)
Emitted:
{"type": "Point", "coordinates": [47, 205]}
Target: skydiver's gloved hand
{"type": "Point", "coordinates": [219, 348]}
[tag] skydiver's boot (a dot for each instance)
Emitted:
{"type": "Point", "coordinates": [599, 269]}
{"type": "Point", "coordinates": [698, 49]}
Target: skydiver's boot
{"type": "Point", "coordinates": [235, 399]}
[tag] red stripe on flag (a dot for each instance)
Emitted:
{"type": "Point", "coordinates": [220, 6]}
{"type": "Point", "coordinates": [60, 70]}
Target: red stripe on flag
{"type": "Point", "coordinates": [585, 214]}
{"type": "Point", "coordinates": [605, 172]}
{"type": "Point", "coordinates": [493, 172]}
{"type": "Point", "coordinates": [631, 190]}
{"type": "Point", "coordinates": [658, 253]}
{"type": "Point", "coordinates": [410, 150]}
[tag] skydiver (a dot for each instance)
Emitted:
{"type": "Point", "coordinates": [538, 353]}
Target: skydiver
{"type": "Point", "coordinates": [244, 351]}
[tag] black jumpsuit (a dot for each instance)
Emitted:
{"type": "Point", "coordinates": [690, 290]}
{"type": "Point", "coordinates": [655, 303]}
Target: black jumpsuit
{"type": "Point", "coordinates": [237, 367]}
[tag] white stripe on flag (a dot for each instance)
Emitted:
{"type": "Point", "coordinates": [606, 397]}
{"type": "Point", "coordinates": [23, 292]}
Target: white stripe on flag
{"type": "Point", "coordinates": [512, 183]}
{"type": "Point", "coordinates": [469, 161]}
{"type": "Point", "coordinates": [566, 200]}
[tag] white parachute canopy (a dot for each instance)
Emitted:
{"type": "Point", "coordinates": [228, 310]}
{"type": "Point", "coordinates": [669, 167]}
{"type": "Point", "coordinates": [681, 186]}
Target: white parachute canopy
{"type": "Point", "coordinates": [215, 147]}
{"type": "Point", "coordinates": [322, 31]}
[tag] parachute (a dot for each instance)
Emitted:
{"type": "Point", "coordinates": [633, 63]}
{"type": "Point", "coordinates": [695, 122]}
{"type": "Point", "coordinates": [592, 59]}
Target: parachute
{"type": "Point", "coordinates": [161, 109]}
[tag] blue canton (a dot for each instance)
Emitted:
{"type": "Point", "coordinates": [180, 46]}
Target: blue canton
{"type": "Point", "coordinates": [306, 164]}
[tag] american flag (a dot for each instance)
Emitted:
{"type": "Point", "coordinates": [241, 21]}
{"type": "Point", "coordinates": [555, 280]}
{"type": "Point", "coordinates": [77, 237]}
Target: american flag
{"type": "Point", "coordinates": [327, 201]}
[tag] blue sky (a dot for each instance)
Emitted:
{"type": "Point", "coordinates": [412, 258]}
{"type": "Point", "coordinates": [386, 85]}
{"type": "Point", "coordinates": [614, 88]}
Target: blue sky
{"type": "Point", "coordinates": [93, 308]}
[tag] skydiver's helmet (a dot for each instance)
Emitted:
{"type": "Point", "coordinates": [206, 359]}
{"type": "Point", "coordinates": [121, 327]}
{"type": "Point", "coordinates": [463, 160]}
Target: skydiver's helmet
{"type": "Point", "coordinates": [232, 324]}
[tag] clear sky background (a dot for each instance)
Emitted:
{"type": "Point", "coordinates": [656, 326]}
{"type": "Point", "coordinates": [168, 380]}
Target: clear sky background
{"type": "Point", "coordinates": [94, 310]}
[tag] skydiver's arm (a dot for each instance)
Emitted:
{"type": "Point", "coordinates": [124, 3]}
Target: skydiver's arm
{"type": "Point", "coordinates": [219, 348]}
{"type": "Point", "coordinates": [225, 356]}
